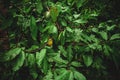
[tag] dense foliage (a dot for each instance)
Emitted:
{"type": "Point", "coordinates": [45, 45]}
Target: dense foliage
{"type": "Point", "coordinates": [59, 39]}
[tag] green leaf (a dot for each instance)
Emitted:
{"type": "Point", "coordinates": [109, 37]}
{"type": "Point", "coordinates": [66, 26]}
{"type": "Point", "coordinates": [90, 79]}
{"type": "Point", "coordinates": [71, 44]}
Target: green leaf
{"type": "Point", "coordinates": [69, 1]}
{"type": "Point", "coordinates": [33, 47]}
{"type": "Point", "coordinates": [63, 22]}
{"type": "Point", "coordinates": [80, 3]}
{"type": "Point", "coordinates": [87, 60]}
{"type": "Point", "coordinates": [33, 72]}
{"type": "Point", "coordinates": [76, 64]}
{"type": "Point", "coordinates": [95, 30]}
{"type": "Point", "coordinates": [59, 60]}
{"type": "Point", "coordinates": [80, 21]}
{"type": "Point", "coordinates": [61, 37]}
{"type": "Point", "coordinates": [69, 29]}
{"type": "Point", "coordinates": [62, 50]}
{"type": "Point", "coordinates": [52, 29]}
{"type": "Point", "coordinates": [33, 27]}
{"type": "Point", "coordinates": [79, 76]}
{"type": "Point", "coordinates": [76, 16]}
{"type": "Point", "coordinates": [111, 27]}
{"type": "Point", "coordinates": [115, 36]}
{"type": "Point", "coordinates": [62, 76]}
{"type": "Point", "coordinates": [107, 50]}
{"type": "Point", "coordinates": [19, 62]}
{"type": "Point", "coordinates": [71, 76]}
{"type": "Point", "coordinates": [39, 6]}
{"type": "Point", "coordinates": [104, 35]}
{"type": "Point", "coordinates": [69, 53]}
{"type": "Point", "coordinates": [45, 66]}
{"type": "Point", "coordinates": [54, 12]}
{"type": "Point", "coordinates": [40, 56]}
{"type": "Point", "coordinates": [31, 60]}
{"type": "Point", "coordinates": [49, 76]}
{"type": "Point", "coordinates": [10, 54]}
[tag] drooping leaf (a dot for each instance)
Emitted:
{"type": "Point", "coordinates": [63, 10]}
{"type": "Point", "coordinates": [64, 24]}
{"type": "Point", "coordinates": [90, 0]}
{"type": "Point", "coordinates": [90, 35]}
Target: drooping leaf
{"type": "Point", "coordinates": [63, 75]}
{"type": "Point", "coordinates": [79, 76]}
{"type": "Point", "coordinates": [54, 12]}
{"type": "Point", "coordinates": [33, 27]}
{"type": "Point", "coordinates": [61, 37]}
{"type": "Point", "coordinates": [33, 72]}
{"type": "Point", "coordinates": [80, 21]}
{"type": "Point", "coordinates": [63, 51]}
{"type": "Point", "coordinates": [69, 1]}
{"type": "Point", "coordinates": [69, 29]}
{"type": "Point", "coordinates": [80, 3]}
{"type": "Point", "coordinates": [39, 6]}
{"type": "Point", "coordinates": [31, 60]}
{"type": "Point", "coordinates": [87, 60]}
{"type": "Point", "coordinates": [71, 76]}
{"type": "Point", "coordinates": [45, 66]}
{"type": "Point", "coordinates": [107, 50]}
{"type": "Point", "coordinates": [59, 60]}
{"type": "Point", "coordinates": [76, 16]}
{"type": "Point", "coordinates": [70, 53]}
{"type": "Point", "coordinates": [115, 36]}
{"type": "Point", "coordinates": [33, 47]}
{"type": "Point", "coordinates": [63, 22]}
{"type": "Point", "coordinates": [110, 27]}
{"type": "Point", "coordinates": [95, 30]}
{"type": "Point", "coordinates": [10, 54]}
{"type": "Point", "coordinates": [76, 64]}
{"type": "Point", "coordinates": [49, 76]}
{"type": "Point", "coordinates": [19, 62]}
{"type": "Point", "coordinates": [40, 56]}
{"type": "Point", "coordinates": [52, 29]}
{"type": "Point", "coordinates": [104, 35]}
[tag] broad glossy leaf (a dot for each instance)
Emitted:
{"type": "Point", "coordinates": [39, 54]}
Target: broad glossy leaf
{"type": "Point", "coordinates": [54, 12]}
{"type": "Point", "coordinates": [39, 6]}
{"type": "Point", "coordinates": [104, 35]}
{"type": "Point", "coordinates": [80, 21]}
{"type": "Point", "coordinates": [69, 29]}
{"type": "Point", "coordinates": [115, 36]}
{"type": "Point", "coordinates": [33, 72]}
{"type": "Point", "coordinates": [87, 60]}
{"type": "Point", "coordinates": [62, 76]}
{"type": "Point", "coordinates": [80, 3]}
{"type": "Point", "coordinates": [76, 16]}
{"type": "Point", "coordinates": [79, 76]}
{"type": "Point", "coordinates": [19, 62]}
{"type": "Point", "coordinates": [71, 76]}
{"type": "Point", "coordinates": [52, 28]}
{"type": "Point", "coordinates": [33, 27]}
{"type": "Point", "coordinates": [33, 47]}
{"type": "Point", "coordinates": [76, 64]}
{"type": "Point", "coordinates": [49, 76]}
{"type": "Point", "coordinates": [10, 54]}
{"type": "Point", "coordinates": [111, 27]}
{"type": "Point", "coordinates": [63, 22]}
{"type": "Point", "coordinates": [61, 37]}
{"type": "Point", "coordinates": [58, 59]}
{"type": "Point", "coordinates": [40, 56]}
{"type": "Point", "coordinates": [31, 60]}
{"type": "Point", "coordinates": [69, 53]}
{"type": "Point", "coordinates": [45, 66]}
{"type": "Point", "coordinates": [107, 50]}
{"type": "Point", "coordinates": [95, 30]}
{"type": "Point", "coordinates": [62, 50]}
